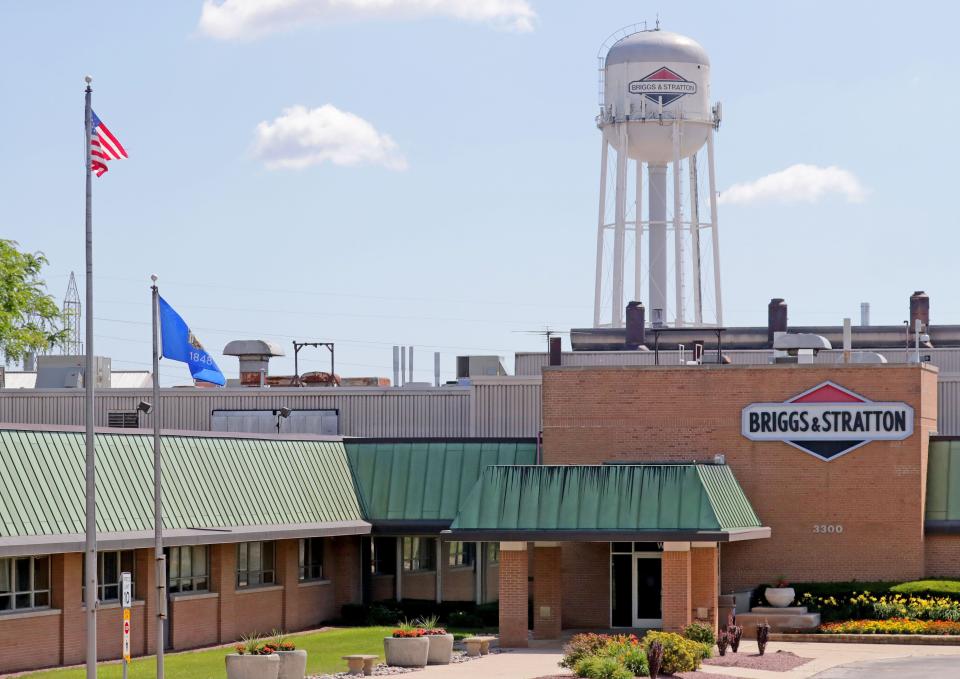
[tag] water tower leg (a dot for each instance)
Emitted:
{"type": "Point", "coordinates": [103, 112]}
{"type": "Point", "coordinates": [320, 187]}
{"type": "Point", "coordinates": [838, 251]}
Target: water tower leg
{"type": "Point", "coordinates": [677, 230]}
{"type": "Point", "coordinates": [695, 241]}
{"type": "Point", "coordinates": [619, 230]}
{"type": "Point", "coordinates": [716, 232]}
{"type": "Point", "coordinates": [598, 290]}
{"type": "Point", "coordinates": [657, 243]}
{"type": "Point", "coordinates": [638, 233]}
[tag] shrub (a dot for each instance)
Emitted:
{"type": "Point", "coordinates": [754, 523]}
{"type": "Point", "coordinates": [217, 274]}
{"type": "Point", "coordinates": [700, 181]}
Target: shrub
{"type": "Point", "coordinates": [679, 654]}
{"type": "Point", "coordinates": [489, 614]}
{"type": "Point", "coordinates": [378, 614]}
{"type": "Point", "coordinates": [464, 619]}
{"type": "Point", "coordinates": [580, 646]}
{"type": "Point", "coordinates": [599, 667]}
{"type": "Point", "coordinates": [355, 615]}
{"type": "Point", "coordinates": [627, 651]}
{"type": "Point", "coordinates": [700, 631]}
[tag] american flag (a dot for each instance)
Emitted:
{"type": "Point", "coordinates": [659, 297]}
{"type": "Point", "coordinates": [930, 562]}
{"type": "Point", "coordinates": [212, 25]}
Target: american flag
{"type": "Point", "coordinates": [103, 146]}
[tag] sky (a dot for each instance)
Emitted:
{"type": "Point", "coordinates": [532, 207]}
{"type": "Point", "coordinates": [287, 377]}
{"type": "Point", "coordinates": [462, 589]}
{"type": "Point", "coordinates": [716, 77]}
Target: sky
{"type": "Point", "coordinates": [425, 173]}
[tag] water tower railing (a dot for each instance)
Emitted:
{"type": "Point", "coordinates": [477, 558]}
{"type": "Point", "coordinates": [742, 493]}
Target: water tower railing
{"type": "Point", "coordinates": [612, 40]}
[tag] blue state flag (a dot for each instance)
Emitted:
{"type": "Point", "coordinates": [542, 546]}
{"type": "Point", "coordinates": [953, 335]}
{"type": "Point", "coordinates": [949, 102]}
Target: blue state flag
{"type": "Point", "coordinates": [179, 344]}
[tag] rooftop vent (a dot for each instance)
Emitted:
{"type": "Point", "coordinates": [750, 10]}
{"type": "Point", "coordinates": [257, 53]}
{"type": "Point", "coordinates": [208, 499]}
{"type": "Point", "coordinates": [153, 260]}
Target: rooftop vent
{"type": "Point", "coordinates": [254, 358]}
{"type": "Point", "coordinates": [798, 347]}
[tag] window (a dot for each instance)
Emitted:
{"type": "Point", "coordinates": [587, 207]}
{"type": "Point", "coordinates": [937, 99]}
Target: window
{"type": "Point", "coordinates": [129, 420]}
{"type": "Point", "coordinates": [188, 569]}
{"type": "Point", "coordinates": [493, 552]}
{"type": "Point", "coordinates": [311, 559]}
{"type": "Point", "coordinates": [462, 554]}
{"type": "Point", "coordinates": [383, 556]}
{"type": "Point", "coordinates": [418, 554]}
{"type": "Point", "coordinates": [109, 567]}
{"type": "Point", "coordinates": [255, 564]}
{"type": "Point", "coordinates": [24, 583]}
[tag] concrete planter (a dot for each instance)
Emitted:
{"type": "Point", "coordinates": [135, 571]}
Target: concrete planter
{"type": "Point", "coordinates": [293, 664]}
{"type": "Point", "coordinates": [252, 666]}
{"type": "Point", "coordinates": [408, 652]}
{"type": "Point", "coordinates": [441, 649]}
{"type": "Point", "coordinates": [779, 597]}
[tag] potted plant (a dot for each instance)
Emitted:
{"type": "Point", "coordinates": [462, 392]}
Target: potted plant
{"type": "Point", "coordinates": [441, 643]}
{"type": "Point", "coordinates": [293, 662]}
{"type": "Point", "coordinates": [253, 659]}
{"type": "Point", "coordinates": [406, 647]}
{"type": "Point", "coordinates": [780, 596]}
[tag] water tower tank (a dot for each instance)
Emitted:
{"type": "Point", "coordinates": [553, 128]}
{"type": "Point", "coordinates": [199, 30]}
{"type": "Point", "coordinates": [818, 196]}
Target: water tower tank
{"type": "Point", "coordinates": [652, 78]}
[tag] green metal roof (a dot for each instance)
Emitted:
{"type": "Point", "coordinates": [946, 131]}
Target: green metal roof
{"type": "Point", "coordinates": [943, 482]}
{"type": "Point", "coordinates": [208, 482]}
{"type": "Point", "coordinates": [632, 501]}
{"type": "Point", "coordinates": [425, 481]}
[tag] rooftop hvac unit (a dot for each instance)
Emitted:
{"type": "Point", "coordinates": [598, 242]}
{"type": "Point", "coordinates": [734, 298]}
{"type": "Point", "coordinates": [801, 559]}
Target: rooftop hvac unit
{"type": "Point", "coordinates": [66, 372]}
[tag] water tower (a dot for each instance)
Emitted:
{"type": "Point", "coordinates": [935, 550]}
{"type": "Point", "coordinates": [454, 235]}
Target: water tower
{"type": "Point", "coordinates": [655, 110]}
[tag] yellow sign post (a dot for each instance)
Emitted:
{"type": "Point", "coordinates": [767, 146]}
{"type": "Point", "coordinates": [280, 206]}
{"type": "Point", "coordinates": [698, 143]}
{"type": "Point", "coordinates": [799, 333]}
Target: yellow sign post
{"type": "Point", "coordinates": [126, 600]}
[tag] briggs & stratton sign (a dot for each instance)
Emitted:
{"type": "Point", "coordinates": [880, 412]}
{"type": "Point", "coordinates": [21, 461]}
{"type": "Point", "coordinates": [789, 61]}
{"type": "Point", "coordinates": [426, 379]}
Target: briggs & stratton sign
{"type": "Point", "coordinates": [827, 421]}
{"type": "Point", "coordinates": [663, 84]}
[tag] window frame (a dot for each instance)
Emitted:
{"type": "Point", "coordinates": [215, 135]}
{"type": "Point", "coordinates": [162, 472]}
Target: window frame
{"type": "Point", "coordinates": [378, 560]}
{"type": "Point", "coordinates": [32, 592]}
{"type": "Point", "coordinates": [421, 555]}
{"type": "Point", "coordinates": [199, 583]}
{"type": "Point", "coordinates": [464, 555]}
{"type": "Point", "coordinates": [493, 552]}
{"type": "Point", "coordinates": [103, 586]}
{"type": "Point", "coordinates": [266, 577]}
{"type": "Point", "coordinates": [309, 549]}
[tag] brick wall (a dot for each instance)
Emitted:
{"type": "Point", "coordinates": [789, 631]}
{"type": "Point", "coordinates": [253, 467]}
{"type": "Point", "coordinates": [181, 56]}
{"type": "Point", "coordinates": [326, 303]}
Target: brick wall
{"type": "Point", "coordinates": [344, 570]}
{"type": "Point", "coordinates": [676, 590]}
{"type": "Point", "coordinates": [547, 592]}
{"type": "Point", "coordinates": [419, 585]}
{"type": "Point", "coordinates": [382, 588]}
{"type": "Point", "coordinates": [704, 566]}
{"type": "Point", "coordinates": [643, 414]}
{"type": "Point", "coordinates": [26, 642]}
{"type": "Point", "coordinates": [942, 556]}
{"type": "Point", "coordinates": [514, 571]}
{"type": "Point", "coordinates": [193, 620]}
{"type": "Point", "coordinates": [459, 583]}
{"type": "Point", "coordinates": [586, 584]}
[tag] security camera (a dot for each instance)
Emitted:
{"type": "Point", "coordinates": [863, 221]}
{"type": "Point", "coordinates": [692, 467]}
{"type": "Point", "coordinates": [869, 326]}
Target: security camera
{"type": "Point", "coordinates": [144, 407]}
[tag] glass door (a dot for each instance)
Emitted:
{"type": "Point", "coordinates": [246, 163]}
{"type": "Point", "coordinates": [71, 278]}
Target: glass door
{"type": "Point", "coordinates": [647, 581]}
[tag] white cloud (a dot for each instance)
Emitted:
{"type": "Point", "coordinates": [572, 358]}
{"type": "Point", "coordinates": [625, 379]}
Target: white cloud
{"type": "Point", "coordinates": [797, 184]}
{"type": "Point", "coordinates": [240, 19]}
{"type": "Point", "coordinates": [302, 137]}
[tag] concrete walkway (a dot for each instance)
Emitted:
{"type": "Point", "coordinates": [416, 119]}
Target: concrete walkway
{"type": "Point", "coordinates": [829, 661]}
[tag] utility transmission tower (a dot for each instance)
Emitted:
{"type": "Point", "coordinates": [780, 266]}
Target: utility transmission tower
{"type": "Point", "coordinates": [71, 344]}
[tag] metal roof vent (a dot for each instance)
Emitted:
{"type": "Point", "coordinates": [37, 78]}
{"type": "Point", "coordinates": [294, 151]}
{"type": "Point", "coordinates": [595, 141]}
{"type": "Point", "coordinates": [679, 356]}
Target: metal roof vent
{"type": "Point", "coordinates": [798, 347]}
{"type": "Point", "coordinates": [254, 358]}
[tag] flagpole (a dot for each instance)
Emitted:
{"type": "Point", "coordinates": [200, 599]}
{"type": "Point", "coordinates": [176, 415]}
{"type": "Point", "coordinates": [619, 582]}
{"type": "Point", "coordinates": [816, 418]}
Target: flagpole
{"type": "Point", "coordinates": [90, 554]}
{"type": "Point", "coordinates": [161, 571]}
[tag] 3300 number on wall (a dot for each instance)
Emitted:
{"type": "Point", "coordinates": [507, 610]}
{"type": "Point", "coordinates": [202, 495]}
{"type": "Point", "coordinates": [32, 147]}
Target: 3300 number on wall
{"type": "Point", "coordinates": [834, 528]}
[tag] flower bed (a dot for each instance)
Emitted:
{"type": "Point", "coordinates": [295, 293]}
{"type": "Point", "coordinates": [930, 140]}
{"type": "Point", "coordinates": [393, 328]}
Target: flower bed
{"type": "Point", "coordinates": [891, 626]}
{"type": "Point", "coordinates": [865, 605]}
{"type": "Point", "coordinates": [604, 656]}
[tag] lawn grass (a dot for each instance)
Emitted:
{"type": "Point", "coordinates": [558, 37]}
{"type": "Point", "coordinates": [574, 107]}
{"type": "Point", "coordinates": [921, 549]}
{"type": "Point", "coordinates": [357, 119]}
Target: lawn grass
{"type": "Point", "coordinates": [323, 655]}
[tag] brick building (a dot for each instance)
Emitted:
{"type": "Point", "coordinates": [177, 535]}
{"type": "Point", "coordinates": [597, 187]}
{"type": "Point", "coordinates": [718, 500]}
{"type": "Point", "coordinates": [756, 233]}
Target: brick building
{"type": "Point", "coordinates": [652, 491]}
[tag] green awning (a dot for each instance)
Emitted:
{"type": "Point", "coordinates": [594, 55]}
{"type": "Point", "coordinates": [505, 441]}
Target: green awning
{"type": "Point", "coordinates": [943, 486]}
{"type": "Point", "coordinates": [690, 502]}
{"type": "Point", "coordinates": [419, 484]}
{"type": "Point", "coordinates": [217, 488]}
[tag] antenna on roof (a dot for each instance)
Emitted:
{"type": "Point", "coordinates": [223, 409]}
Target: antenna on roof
{"type": "Point", "coordinates": [657, 25]}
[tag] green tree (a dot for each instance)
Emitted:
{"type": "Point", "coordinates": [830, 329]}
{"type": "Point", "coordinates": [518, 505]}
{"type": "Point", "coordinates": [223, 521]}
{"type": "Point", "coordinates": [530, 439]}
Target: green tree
{"type": "Point", "coordinates": [30, 319]}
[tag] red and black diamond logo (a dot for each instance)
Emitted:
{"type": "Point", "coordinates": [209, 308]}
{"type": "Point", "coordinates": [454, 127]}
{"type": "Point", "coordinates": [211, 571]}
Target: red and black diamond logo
{"type": "Point", "coordinates": [663, 85]}
{"type": "Point", "coordinates": [827, 421]}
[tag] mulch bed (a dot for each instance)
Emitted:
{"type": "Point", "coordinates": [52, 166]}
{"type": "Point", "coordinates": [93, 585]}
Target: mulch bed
{"type": "Point", "coordinates": [781, 661]}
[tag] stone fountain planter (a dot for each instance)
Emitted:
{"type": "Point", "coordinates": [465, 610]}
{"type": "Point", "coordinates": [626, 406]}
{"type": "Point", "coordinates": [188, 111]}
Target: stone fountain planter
{"type": "Point", "coordinates": [293, 664]}
{"type": "Point", "coordinates": [407, 651]}
{"type": "Point", "coordinates": [441, 649]}
{"type": "Point", "coordinates": [779, 597]}
{"type": "Point", "coordinates": [252, 666]}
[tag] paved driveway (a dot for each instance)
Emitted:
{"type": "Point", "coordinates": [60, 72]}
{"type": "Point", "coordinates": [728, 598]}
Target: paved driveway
{"type": "Point", "coordinates": [929, 667]}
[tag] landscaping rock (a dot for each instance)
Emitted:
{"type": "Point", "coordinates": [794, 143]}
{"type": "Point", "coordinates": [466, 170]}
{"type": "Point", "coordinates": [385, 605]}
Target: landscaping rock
{"type": "Point", "coordinates": [781, 661]}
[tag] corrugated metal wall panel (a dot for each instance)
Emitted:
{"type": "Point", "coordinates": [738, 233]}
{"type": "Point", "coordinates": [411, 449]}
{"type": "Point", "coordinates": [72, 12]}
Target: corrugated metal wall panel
{"type": "Point", "coordinates": [506, 407]}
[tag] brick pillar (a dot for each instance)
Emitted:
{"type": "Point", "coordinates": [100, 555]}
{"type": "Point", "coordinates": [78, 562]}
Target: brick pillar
{"type": "Point", "coordinates": [223, 577]}
{"type": "Point", "coordinates": [676, 587]}
{"type": "Point", "coordinates": [145, 589]}
{"type": "Point", "coordinates": [288, 570]}
{"type": "Point", "coordinates": [705, 569]}
{"type": "Point", "coordinates": [514, 594]}
{"type": "Point", "coordinates": [547, 588]}
{"type": "Point", "coordinates": [67, 595]}
{"type": "Point", "coordinates": [343, 552]}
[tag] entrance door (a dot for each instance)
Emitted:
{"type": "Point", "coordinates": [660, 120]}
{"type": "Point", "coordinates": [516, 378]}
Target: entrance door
{"type": "Point", "coordinates": [647, 581]}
